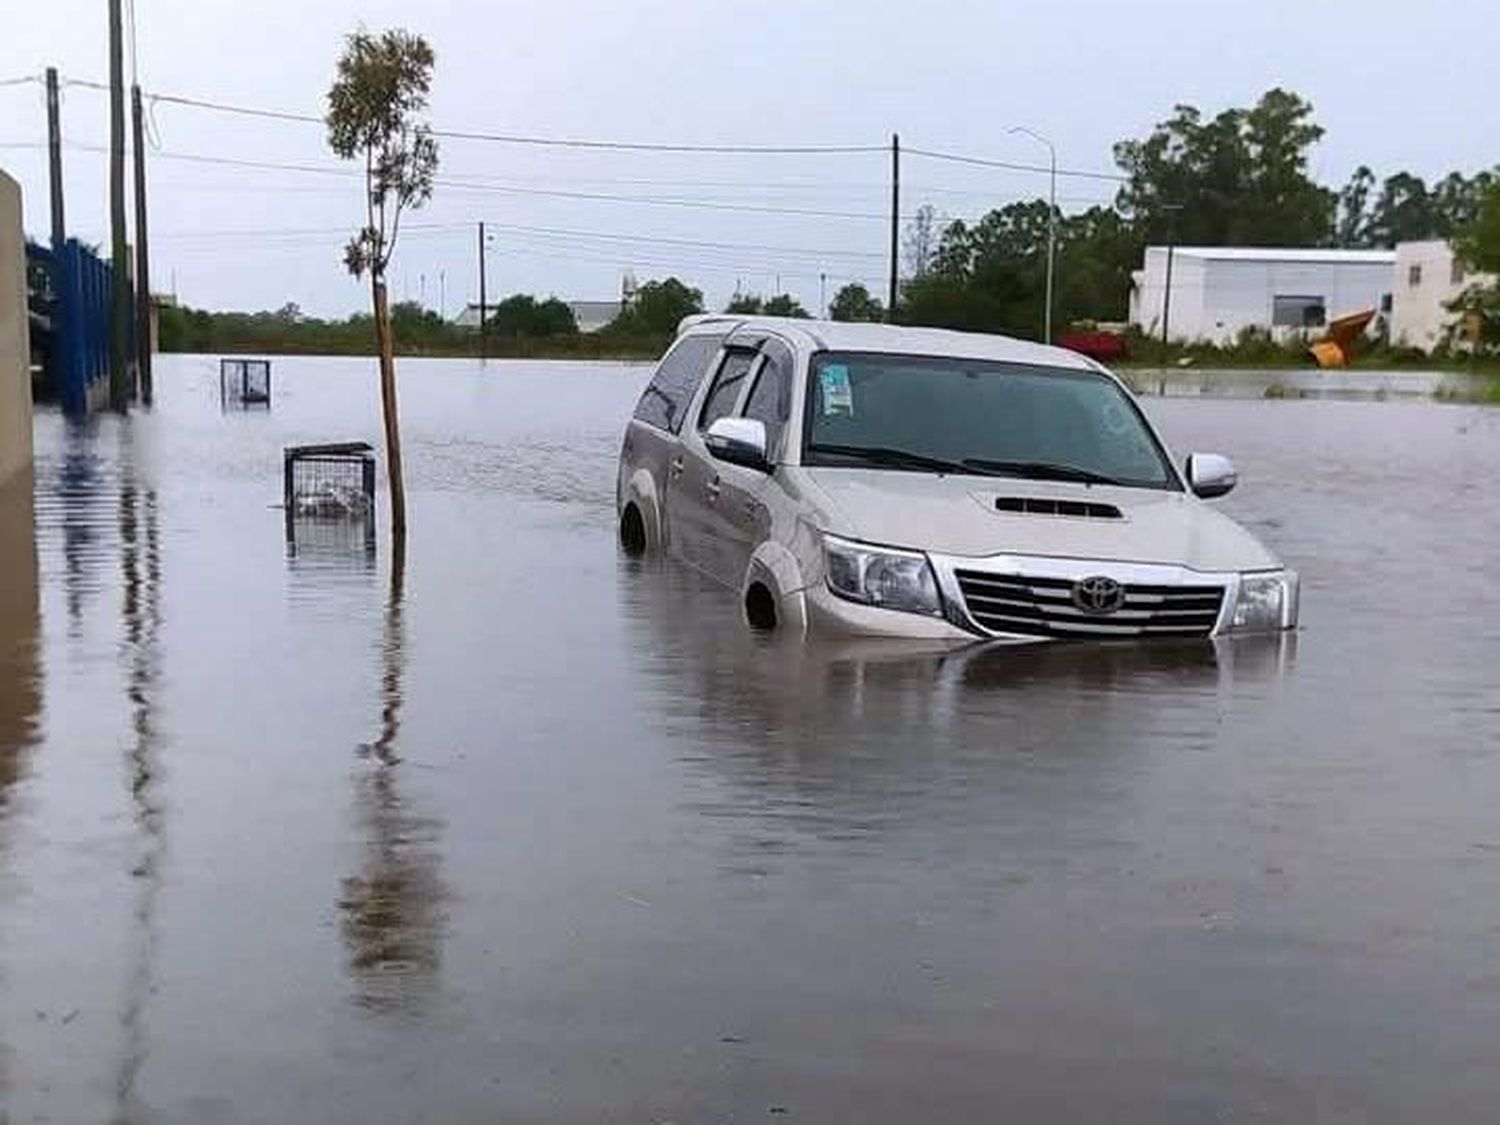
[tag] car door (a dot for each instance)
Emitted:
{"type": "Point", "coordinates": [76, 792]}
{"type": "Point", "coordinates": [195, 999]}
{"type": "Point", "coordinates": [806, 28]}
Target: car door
{"type": "Point", "coordinates": [742, 499]}
{"type": "Point", "coordinates": [653, 440]}
{"type": "Point", "coordinates": [698, 532]}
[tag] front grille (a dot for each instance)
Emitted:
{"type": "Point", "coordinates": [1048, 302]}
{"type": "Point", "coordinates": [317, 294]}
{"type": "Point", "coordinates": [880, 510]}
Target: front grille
{"type": "Point", "coordinates": [1044, 506]}
{"type": "Point", "coordinates": [1043, 607]}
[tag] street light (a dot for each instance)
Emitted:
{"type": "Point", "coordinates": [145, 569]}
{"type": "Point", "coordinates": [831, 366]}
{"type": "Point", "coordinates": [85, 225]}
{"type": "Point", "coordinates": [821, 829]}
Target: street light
{"type": "Point", "coordinates": [1051, 218]}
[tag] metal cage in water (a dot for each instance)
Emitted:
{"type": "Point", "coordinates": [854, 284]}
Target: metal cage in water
{"type": "Point", "coordinates": [329, 493]}
{"type": "Point", "coordinates": [244, 382]}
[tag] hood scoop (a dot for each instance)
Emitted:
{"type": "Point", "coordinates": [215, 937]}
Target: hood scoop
{"type": "Point", "coordinates": [1046, 506]}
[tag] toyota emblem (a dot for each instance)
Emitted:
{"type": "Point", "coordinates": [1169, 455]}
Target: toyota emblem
{"type": "Point", "coordinates": [1098, 595]}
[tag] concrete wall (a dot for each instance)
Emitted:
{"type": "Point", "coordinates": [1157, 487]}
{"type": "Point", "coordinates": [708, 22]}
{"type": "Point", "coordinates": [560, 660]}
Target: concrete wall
{"type": "Point", "coordinates": [15, 337]}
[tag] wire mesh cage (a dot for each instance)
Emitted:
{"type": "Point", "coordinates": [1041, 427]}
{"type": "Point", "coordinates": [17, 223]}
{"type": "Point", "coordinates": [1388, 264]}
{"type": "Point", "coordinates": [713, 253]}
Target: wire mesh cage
{"type": "Point", "coordinates": [245, 382]}
{"type": "Point", "coordinates": [329, 493]}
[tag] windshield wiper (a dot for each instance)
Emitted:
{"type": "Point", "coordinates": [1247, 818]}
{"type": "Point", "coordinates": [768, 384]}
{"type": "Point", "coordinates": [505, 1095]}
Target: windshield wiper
{"type": "Point", "coordinates": [1039, 470]}
{"type": "Point", "coordinates": [895, 458]}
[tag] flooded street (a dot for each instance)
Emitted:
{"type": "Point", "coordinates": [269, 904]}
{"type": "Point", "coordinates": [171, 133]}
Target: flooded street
{"type": "Point", "coordinates": [522, 831]}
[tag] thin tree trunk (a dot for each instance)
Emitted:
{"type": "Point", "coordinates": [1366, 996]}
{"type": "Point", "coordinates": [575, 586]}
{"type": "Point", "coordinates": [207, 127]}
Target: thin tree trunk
{"type": "Point", "coordinates": [388, 403]}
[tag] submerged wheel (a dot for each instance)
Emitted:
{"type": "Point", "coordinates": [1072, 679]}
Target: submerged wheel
{"type": "Point", "coordinates": [632, 531]}
{"type": "Point", "coordinates": [760, 607]}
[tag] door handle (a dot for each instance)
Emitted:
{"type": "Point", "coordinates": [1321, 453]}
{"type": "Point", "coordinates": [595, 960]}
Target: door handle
{"type": "Point", "coordinates": [713, 489]}
{"type": "Point", "coordinates": [675, 468]}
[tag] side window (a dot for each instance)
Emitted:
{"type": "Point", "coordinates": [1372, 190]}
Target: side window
{"type": "Point", "coordinates": [666, 397]}
{"type": "Point", "coordinates": [727, 386]}
{"type": "Point", "coordinates": [770, 400]}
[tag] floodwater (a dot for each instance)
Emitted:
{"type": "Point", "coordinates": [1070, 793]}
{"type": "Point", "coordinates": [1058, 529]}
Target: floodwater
{"type": "Point", "coordinates": [521, 831]}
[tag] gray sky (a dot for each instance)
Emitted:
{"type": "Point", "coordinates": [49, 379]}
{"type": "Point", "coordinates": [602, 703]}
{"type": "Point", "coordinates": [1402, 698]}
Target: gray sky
{"type": "Point", "coordinates": [1397, 85]}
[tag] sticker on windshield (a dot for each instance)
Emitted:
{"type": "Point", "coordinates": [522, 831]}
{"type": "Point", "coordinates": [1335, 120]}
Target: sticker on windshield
{"type": "Point", "coordinates": [838, 394]}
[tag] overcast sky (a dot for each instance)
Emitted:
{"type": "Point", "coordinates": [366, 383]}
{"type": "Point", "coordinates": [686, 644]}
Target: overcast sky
{"type": "Point", "coordinates": [1398, 85]}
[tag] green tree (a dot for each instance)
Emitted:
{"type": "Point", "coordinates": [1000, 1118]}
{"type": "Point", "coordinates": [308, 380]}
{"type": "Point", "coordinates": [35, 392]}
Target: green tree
{"type": "Point", "coordinates": [522, 316]}
{"type": "Point", "coordinates": [784, 304]}
{"type": "Point", "coordinates": [1239, 178]}
{"type": "Point", "coordinates": [1478, 244]}
{"type": "Point", "coordinates": [745, 304]}
{"type": "Point", "coordinates": [657, 308]}
{"type": "Point", "coordinates": [379, 92]}
{"type": "Point", "coordinates": [854, 302]}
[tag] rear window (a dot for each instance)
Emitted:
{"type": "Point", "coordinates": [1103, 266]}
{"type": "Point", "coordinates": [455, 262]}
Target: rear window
{"type": "Point", "coordinates": [664, 401]}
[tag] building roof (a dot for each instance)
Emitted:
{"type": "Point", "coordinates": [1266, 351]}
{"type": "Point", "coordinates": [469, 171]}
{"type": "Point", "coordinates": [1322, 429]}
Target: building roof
{"type": "Point", "coordinates": [1321, 255]}
{"type": "Point", "coordinates": [834, 335]}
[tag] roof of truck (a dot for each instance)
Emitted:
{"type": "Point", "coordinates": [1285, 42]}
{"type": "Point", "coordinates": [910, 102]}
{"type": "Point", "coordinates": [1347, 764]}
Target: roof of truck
{"type": "Point", "coordinates": [851, 336]}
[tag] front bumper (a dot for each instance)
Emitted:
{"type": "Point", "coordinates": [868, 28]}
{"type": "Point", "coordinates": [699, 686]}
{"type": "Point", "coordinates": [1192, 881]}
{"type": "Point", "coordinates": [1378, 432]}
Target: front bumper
{"type": "Point", "coordinates": [830, 614]}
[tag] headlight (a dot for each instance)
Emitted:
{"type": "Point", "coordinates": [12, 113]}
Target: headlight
{"type": "Point", "coordinates": [881, 577]}
{"type": "Point", "coordinates": [1266, 602]}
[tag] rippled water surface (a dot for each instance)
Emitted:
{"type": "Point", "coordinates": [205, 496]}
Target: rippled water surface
{"type": "Point", "coordinates": [515, 830]}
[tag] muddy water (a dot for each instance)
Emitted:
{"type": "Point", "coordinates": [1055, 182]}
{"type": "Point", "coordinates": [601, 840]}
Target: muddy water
{"type": "Point", "coordinates": [518, 831]}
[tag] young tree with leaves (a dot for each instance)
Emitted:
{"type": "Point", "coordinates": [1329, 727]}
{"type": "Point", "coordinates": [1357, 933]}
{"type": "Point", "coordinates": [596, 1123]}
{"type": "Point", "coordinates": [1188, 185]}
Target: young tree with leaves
{"type": "Point", "coordinates": [854, 302]}
{"type": "Point", "coordinates": [374, 107]}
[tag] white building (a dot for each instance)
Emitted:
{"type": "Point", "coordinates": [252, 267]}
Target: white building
{"type": "Point", "coordinates": [1217, 291]}
{"type": "Point", "coordinates": [1428, 277]}
{"type": "Point", "coordinates": [590, 315]}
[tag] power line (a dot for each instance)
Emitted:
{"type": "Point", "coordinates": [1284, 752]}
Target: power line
{"type": "Point", "coordinates": [1011, 166]}
{"type": "Point", "coordinates": [523, 139]}
{"type": "Point", "coordinates": [452, 184]}
{"type": "Point", "coordinates": [20, 81]}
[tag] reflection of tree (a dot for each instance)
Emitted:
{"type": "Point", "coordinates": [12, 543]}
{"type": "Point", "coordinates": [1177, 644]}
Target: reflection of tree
{"type": "Point", "coordinates": [393, 922]}
{"type": "Point", "coordinates": [140, 564]}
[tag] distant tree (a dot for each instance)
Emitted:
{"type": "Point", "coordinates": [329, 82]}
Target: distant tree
{"type": "Point", "coordinates": [1239, 178]}
{"type": "Point", "coordinates": [1402, 212]}
{"type": "Point", "coordinates": [1478, 246]}
{"type": "Point", "coordinates": [784, 304]}
{"type": "Point", "coordinates": [374, 107]}
{"type": "Point", "coordinates": [290, 312]}
{"type": "Point", "coordinates": [657, 308]}
{"type": "Point", "coordinates": [745, 304]}
{"type": "Point", "coordinates": [854, 302]}
{"type": "Point", "coordinates": [524, 317]}
{"type": "Point", "coordinates": [1352, 226]}
{"type": "Point", "coordinates": [920, 242]}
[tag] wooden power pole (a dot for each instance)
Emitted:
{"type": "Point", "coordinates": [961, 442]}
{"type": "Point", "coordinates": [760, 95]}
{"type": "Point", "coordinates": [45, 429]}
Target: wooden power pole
{"type": "Point", "coordinates": [890, 309]}
{"type": "Point", "coordinates": [484, 329]}
{"type": "Point", "coordinates": [142, 253]}
{"type": "Point", "coordinates": [54, 161]}
{"type": "Point", "coordinates": [119, 307]}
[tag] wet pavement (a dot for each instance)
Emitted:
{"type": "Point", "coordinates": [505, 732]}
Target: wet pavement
{"type": "Point", "coordinates": [517, 830]}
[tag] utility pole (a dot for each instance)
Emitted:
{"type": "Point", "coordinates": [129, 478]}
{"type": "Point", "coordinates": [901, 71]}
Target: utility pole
{"type": "Point", "coordinates": [142, 254]}
{"type": "Point", "coordinates": [823, 295]}
{"type": "Point", "coordinates": [54, 161]}
{"type": "Point", "coordinates": [483, 327]}
{"type": "Point", "coordinates": [890, 308]}
{"type": "Point", "coordinates": [1051, 223]}
{"type": "Point", "coordinates": [1166, 301]}
{"type": "Point", "coordinates": [119, 310]}
{"type": "Point", "coordinates": [1172, 209]}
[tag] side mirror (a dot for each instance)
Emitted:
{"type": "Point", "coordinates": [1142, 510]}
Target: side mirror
{"type": "Point", "coordinates": [740, 441]}
{"type": "Point", "coordinates": [1210, 475]}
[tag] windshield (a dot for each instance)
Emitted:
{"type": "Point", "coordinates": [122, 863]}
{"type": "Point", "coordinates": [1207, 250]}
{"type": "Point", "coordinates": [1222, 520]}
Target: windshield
{"type": "Point", "coordinates": [974, 416]}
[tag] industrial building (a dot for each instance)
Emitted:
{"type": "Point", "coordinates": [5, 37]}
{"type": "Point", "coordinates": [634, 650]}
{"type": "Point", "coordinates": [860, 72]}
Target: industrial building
{"type": "Point", "coordinates": [1218, 291]}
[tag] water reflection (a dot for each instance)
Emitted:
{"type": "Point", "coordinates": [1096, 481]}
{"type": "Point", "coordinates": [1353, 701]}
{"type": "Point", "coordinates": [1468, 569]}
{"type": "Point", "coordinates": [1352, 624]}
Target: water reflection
{"type": "Point", "coordinates": [843, 739]}
{"type": "Point", "coordinates": [20, 669]}
{"type": "Point", "coordinates": [20, 675]}
{"type": "Point", "coordinates": [140, 581]}
{"type": "Point", "coordinates": [392, 909]}
{"type": "Point", "coordinates": [80, 494]}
